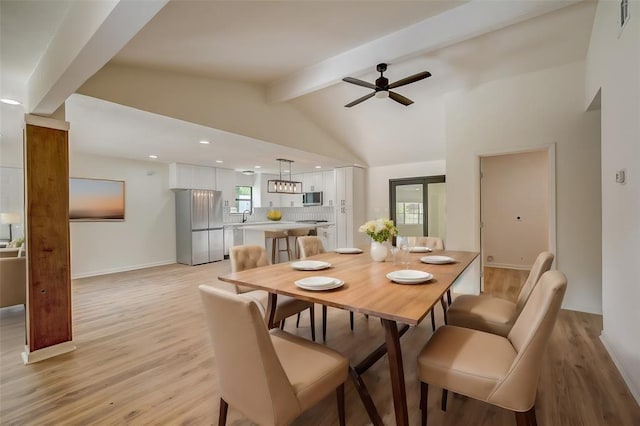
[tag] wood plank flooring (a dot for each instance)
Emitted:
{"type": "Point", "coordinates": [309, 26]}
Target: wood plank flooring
{"type": "Point", "coordinates": [144, 357]}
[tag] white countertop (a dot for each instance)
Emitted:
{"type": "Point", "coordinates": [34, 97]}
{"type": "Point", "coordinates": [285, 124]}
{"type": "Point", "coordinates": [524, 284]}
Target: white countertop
{"type": "Point", "coordinates": [279, 226]}
{"type": "Point", "coordinates": [271, 222]}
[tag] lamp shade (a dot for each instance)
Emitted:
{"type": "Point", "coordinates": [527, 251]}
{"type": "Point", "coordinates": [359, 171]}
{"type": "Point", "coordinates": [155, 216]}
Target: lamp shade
{"type": "Point", "coordinates": [10, 218]}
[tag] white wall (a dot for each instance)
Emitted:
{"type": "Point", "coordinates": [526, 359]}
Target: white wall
{"type": "Point", "coordinates": [378, 183]}
{"type": "Point", "coordinates": [146, 237]}
{"type": "Point", "coordinates": [613, 66]}
{"type": "Point", "coordinates": [514, 186]}
{"type": "Point", "coordinates": [525, 112]}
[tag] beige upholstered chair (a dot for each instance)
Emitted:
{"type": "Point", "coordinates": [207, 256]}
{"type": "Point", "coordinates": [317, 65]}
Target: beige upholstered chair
{"type": "Point", "coordinates": [270, 377]}
{"type": "Point", "coordinates": [434, 243]}
{"type": "Point", "coordinates": [502, 371]}
{"type": "Point", "coordinates": [492, 314]}
{"type": "Point", "coordinates": [310, 246]}
{"type": "Point", "coordinates": [249, 257]}
{"type": "Point", "coordinates": [13, 281]}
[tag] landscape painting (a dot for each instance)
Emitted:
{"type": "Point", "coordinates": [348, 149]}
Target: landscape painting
{"type": "Point", "coordinates": [96, 200]}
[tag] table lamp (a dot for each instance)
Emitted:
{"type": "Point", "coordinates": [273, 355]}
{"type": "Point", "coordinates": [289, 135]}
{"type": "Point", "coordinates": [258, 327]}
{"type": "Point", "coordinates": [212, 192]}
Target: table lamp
{"type": "Point", "coordinates": [10, 219]}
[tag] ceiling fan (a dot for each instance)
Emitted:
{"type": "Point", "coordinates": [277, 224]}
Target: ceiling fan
{"type": "Point", "coordinates": [382, 88]}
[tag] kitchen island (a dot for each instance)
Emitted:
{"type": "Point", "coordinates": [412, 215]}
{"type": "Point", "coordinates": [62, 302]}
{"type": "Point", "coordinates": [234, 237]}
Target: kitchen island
{"type": "Point", "coordinates": [254, 234]}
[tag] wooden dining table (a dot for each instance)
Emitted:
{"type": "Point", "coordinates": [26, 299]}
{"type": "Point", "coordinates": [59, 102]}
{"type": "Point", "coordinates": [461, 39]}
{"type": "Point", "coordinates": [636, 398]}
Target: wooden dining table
{"type": "Point", "coordinates": [366, 290]}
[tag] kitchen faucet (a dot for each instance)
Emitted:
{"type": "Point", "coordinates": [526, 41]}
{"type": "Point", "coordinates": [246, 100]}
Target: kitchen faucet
{"type": "Point", "coordinates": [244, 218]}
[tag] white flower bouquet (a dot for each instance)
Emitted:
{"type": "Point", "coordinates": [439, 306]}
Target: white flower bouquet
{"type": "Point", "coordinates": [379, 230]}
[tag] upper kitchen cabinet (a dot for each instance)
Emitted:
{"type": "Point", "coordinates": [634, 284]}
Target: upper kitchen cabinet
{"type": "Point", "coordinates": [226, 182]}
{"type": "Point", "coordinates": [329, 188]}
{"type": "Point", "coordinates": [189, 176]}
{"type": "Point", "coordinates": [313, 182]}
{"type": "Point", "coordinates": [268, 199]}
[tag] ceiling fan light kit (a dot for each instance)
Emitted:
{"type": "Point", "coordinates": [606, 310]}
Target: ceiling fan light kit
{"type": "Point", "coordinates": [283, 186]}
{"type": "Point", "coordinates": [382, 87]}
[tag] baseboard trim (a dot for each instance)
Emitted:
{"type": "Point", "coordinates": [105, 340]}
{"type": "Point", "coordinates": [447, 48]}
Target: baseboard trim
{"type": "Point", "coordinates": [122, 269]}
{"type": "Point", "coordinates": [507, 266]}
{"type": "Point", "coordinates": [46, 353]}
{"type": "Point", "coordinates": [612, 354]}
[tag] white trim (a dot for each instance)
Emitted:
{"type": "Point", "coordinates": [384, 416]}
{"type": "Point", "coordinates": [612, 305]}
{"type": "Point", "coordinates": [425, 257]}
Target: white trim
{"type": "Point", "coordinates": [122, 269]}
{"type": "Point", "coordinates": [635, 392]}
{"type": "Point", "coordinates": [46, 353]}
{"type": "Point", "coordinates": [51, 123]}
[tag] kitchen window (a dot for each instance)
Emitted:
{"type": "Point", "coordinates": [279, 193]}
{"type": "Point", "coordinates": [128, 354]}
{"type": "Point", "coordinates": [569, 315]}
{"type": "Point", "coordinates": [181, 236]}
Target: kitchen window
{"type": "Point", "coordinates": [409, 213]}
{"type": "Point", "coordinates": [244, 199]}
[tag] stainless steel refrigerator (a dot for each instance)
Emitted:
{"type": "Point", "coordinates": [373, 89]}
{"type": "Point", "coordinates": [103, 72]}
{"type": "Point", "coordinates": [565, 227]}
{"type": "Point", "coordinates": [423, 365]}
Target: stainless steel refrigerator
{"type": "Point", "coordinates": [199, 227]}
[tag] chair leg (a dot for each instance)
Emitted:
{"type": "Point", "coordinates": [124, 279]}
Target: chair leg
{"type": "Point", "coordinates": [526, 418]}
{"type": "Point", "coordinates": [222, 418]}
{"type": "Point", "coordinates": [340, 397]}
{"type": "Point", "coordinates": [324, 323]}
{"type": "Point", "coordinates": [444, 310]}
{"type": "Point", "coordinates": [444, 400]}
{"type": "Point", "coordinates": [433, 321]}
{"type": "Point", "coordinates": [282, 325]}
{"type": "Point", "coordinates": [449, 297]}
{"type": "Point", "coordinates": [312, 321]}
{"type": "Point", "coordinates": [424, 395]}
{"type": "Point", "coordinates": [351, 320]}
{"type": "Point", "coordinates": [298, 320]}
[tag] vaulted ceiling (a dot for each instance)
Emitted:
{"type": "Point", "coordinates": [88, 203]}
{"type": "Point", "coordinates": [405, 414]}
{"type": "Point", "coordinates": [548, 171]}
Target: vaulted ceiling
{"type": "Point", "coordinates": [290, 55]}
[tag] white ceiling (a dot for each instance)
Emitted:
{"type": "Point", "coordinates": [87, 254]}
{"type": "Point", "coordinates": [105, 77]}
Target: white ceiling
{"type": "Point", "coordinates": [266, 42]}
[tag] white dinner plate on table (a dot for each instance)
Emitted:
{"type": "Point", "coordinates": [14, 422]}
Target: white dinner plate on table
{"type": "Point", "coordinates": [348, 250]}
{"type": "Point", "coordinates": [310, 265]}
{"type": "Point", "coordinates": [319, 283]}
{"type": "Point", "coordinates": [419, 249]}
{"type": "Point", "coordinates": [437, 260]}
{"type": "Point", "coordinates": [409, 276]}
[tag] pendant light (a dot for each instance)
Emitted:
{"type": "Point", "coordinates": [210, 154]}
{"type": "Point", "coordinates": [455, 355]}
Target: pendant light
{"type": "Point", "coordinates": [283, 186]}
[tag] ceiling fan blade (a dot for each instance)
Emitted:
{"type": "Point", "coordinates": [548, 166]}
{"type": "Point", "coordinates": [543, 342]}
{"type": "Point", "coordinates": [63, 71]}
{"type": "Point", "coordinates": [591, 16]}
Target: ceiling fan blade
{"type": "Point", "coordinates": [399, 98]}
{"type": "Point", "coordinates": [359, 82]}
{"type": "Point", "coordinates": [410, 79]}
{"type": "Point", "coordinates": [362, 99]}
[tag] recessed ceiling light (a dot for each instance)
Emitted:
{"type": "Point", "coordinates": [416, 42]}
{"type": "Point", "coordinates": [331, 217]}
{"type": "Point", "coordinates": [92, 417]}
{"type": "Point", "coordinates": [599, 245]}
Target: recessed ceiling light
{"type": "Point", "coordinates": [219, 161]}
{"type": "Point", "coordinates": [318, 167]}
{"type": "Point", "coordinates": [247, 172]}
{"type": "Point", "coordinates": [256, 167]}
{"type": "Point", "coordinates": [153, 156]}
{"type": "Point", "coordinates": [204, 142]}
{"type": "Point", "coordinates": [10, 101]}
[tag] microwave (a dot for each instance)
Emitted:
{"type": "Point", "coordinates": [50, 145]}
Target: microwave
{"type": "Point", "coordinates": [312, 199]}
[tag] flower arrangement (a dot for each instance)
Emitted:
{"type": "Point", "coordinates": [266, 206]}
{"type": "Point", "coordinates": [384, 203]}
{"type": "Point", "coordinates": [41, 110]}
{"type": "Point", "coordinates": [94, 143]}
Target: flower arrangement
{"type": "Point", "coordinates": [379, 230]}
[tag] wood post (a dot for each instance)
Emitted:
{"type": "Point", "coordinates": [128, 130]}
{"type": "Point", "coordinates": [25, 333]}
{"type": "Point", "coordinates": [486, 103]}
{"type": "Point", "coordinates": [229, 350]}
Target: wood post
{"type": "Point", "coordinates": [46, 159]}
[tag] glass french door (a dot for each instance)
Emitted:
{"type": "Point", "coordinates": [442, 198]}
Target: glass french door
{"type": "Point", "coordinates": [417, 206]}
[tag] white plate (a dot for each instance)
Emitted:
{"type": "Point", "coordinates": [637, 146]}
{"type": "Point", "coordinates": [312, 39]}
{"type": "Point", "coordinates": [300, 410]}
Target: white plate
{"type": "Point", "coordinates": [437, 260]}
{"type": "Point", "coordinates": [409, 276]}
{"type": "Point", "coordinates": [419, 249]}
{"type": "Point", "coordinates": [319, 283]}
{"type": "Point", "coordinates": [348, 250]}
{"type": "Point", "coordinates": [310, 265]}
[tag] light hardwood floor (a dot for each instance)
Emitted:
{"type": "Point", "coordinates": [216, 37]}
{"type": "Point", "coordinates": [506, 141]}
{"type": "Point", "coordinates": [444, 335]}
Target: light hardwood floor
{"type": "Point", "coordinates": [144, 357]}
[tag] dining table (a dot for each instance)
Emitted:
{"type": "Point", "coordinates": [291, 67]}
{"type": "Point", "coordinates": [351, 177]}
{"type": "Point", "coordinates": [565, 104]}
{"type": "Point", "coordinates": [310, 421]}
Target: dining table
{"type": "Point", "coordinates": [366, 290]}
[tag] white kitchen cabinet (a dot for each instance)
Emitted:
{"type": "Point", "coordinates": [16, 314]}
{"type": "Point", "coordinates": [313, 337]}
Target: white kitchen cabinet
{"type": "Point", "coordinates": [189, 176]}
{"type": "Point", "coordinates": [329, 188]}
{"type": "Point", "coordinates": [349, 209]}
{"type": "Point", "coordinates": [226, 183]}
{"type": "Point", "coordinates": [327, 234]}
{"type": "Point", "coordinates": [313, 182]}
{"type": "Point", "coordinates": [228, 240]}
{"type": "Point", "coordinates": [269, 199]}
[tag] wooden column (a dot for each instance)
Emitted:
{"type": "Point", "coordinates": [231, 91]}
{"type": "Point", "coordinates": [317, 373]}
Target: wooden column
{"type": "Point", "coordinates": [46, 160]}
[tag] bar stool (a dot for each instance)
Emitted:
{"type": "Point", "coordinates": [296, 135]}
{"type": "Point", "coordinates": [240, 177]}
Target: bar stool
{"type": "Point", "coordinates": [276, 237]}
{"type": "Point", "coordinates": [295, 233]}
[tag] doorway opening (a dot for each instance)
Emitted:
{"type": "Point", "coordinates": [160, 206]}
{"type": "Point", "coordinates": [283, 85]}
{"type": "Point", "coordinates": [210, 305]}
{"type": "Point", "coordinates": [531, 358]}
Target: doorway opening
{"type": "Point", "coordinates": [417, 206]}
{"type": "Point", "coordinates": [517, 214]}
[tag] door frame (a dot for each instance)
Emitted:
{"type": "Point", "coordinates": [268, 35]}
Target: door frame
{"type": "Point", "coordinates": [424, 180]}
{"type": "Point", "coordinates": [551, 198]}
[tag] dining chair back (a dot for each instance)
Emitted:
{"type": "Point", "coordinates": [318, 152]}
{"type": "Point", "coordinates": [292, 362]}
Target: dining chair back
{"type": "Point", "coordinates": [256, 369]}
{"type": "Point", "coordinates": [502, 371]}
{"type": "Point", "coordinates": [247, 257]}
{"type": "Point", "coordinates": [434, 243]}
{"type": "Point", "coordinates": [492, 314]}
{"type": "Point", "coordinates": [310, 246]}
